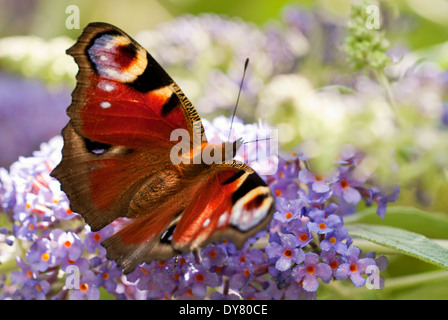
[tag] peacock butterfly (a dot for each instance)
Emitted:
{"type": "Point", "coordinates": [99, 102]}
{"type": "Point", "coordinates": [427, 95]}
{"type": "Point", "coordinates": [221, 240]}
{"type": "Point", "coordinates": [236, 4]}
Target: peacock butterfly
{"type": "Point", "coordinates": [116, 164]}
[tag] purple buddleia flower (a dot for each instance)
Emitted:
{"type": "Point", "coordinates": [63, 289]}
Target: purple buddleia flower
{"type": "Point", "coordinates": [318, 183]}
{"type": "Point", "coordinates": [195, 281]}
{"type": "Point", "coordinates": [285, 253]}
{"type": "Point", "coordinates": [300, 229]}
{"type": "Point", "coordinates": [107, 276]}
{"type": "Point", "coordinates": [295, 291]}
{"type": "Point", "coordinates": [321, 222]}
{"type": "Point", "coordinates": [27, 229]}
{"type": "Point", "coordinates": [213, 255]}
{"type": "Point", "coordinates": [68, 245]}
{"type": "Point", "coordinates": [313, 198]}
{"type": "Point", "coordinates": [243, 277]}
{"type": "Point", "coordinates": [287, 210]}
{"type": "Point", "coordinates": [82, 264]}
{"type": "Point", "coordinates": [35, 289]}
{"type": "Point", "coordinates": [141, 277]}
{"type": "Point", "coordinates": [333, 240]}
{"type": "Point", "coordinates": [40, 255]}
{"type": "Point", "coordinates": [355, 267]}
{"type": "Point", "coordinates": [87, 288]}
{"type": "Point", "coordinates": [346, 187]}
{"type": "Point", "coordinates": [25, 273]}
{"type": "Point", "coordinates": [383, 199]}
{"type": "Point", "coordinates": [286, 188]}
{"type": "Point", "coordinates": [93, 240]}
{"type": "Point", "coordinates": [311, 269]}
{"type": "Point", "coordinates": [333, 259]}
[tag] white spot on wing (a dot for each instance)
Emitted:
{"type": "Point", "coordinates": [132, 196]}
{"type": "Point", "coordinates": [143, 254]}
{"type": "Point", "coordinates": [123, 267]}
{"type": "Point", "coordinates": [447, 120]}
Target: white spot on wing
{"type": "Point", "coordinates": [105, 105]}
{"type": "Point", "coordinates": [106, 86]}
{"type": "Point", "coordinates": [206, 223]}
{"type": "Point", "coordinates": [223, 219]}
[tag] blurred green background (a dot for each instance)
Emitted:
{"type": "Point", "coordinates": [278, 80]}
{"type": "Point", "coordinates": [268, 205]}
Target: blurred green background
{"type": "Point", "coordinates": [46, 18]}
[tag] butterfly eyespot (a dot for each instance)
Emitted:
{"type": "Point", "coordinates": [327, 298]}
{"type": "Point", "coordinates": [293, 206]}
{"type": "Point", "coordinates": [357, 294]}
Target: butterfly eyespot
{"type": "Point", "coordinates": [95, 147]}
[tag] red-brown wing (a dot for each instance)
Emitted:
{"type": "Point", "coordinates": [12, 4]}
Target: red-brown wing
{"type": "Point", "coordinates": [232, 202]}
{"type": "Point", "coordinates": [123, 110]}
{"type": "Point", "coordinates": [123, 96]}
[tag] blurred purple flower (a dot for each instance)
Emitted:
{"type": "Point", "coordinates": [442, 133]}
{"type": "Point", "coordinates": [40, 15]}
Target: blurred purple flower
{"type": "Point", "coordinates": [87, 288]}
{"type": "Point", "coordinates": [354, 267]}
{"type": "Point", "coordinates": [311, 269]}
{"type": "Point", "coordinates": [321, 222]}
{"type": "Point", "coordinates": [333, 240]}
{"type": "Point", "coordinates": [30, 113]}
{"type": "Point", "coordinates": [286, 252]}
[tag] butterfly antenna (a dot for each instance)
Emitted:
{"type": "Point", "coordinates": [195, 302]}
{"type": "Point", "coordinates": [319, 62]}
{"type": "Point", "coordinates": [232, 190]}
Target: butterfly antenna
{"type": "Point", "coordinates": [238, 98]}
{"type": "Point", "coordinates": [265, 139]}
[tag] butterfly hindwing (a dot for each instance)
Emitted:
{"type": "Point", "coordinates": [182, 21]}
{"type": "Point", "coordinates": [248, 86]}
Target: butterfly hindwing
{"type": "Point", "coordinates": [230, 201]}
{"type": "Point", "coordinates": [233, 203]}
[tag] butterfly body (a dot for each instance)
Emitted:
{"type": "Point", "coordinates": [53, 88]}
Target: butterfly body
{"type": "Point", "coordinates": [120, 164]}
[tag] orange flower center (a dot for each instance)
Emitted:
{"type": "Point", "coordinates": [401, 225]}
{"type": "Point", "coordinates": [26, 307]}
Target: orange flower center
{"type": "Point", "coordinates": [287, 253]}
{"type": "Point", "coordinates": [303, 237]}
{"type": "Point", "coordinates": [97, 237]}
{"type": "Point", "coordinates": [310, 269]}
{"type": "Point", "coordinates": [322, 226]}
{"type": "Point", "coordinates": [334, 265]}
{"type": "Point", "coordinates": [45, 256]}
{"type": "Point", "coordinates": [84, 287]}
{"type": "Point", "coordinates": [199, 277]}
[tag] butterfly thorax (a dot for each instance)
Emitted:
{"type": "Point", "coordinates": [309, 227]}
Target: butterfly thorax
{"type": "Point", "coordinates": [211, 153]}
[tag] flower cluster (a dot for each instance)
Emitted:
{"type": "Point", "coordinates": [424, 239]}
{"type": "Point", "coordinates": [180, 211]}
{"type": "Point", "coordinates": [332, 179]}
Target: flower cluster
{"type": "Point", "coordinates": [63, 259]}
{"type": "Point", "coordinates": [308, 240]}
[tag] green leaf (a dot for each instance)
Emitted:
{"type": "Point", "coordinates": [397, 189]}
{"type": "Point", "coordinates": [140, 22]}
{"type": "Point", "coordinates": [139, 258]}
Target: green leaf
{"type": "Point", "coordinates": [406, 242]}
{"type": "Point", "coordinates": [430, 224]}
